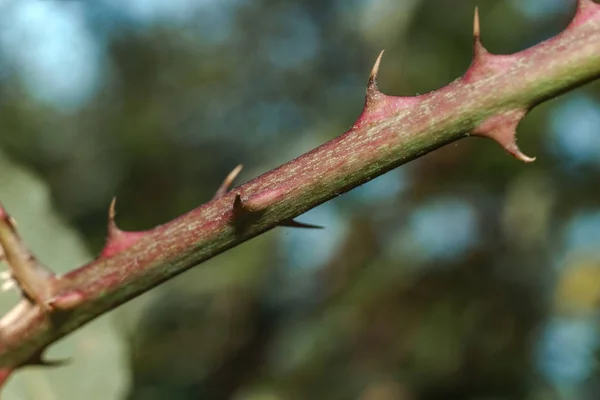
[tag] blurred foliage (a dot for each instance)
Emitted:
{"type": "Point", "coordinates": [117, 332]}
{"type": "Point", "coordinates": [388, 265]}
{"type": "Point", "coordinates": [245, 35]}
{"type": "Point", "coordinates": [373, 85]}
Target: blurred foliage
{"type": "Point", "coordinates": [463, 275]}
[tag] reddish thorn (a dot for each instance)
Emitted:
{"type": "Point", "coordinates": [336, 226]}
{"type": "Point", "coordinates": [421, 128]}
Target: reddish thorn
{"type": "Point", "coordinates": [224, 188]}
{"type": "Point", "coordinates": [255, 205]}
{"type": "Point", "coordinates": [503, 129]}
{"type": "Point", "coordinates": [292, 223]}
{"type": "Point", "coordinates": [118, 240]}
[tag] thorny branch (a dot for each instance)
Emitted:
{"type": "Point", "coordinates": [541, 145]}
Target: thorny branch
{"type": "Point", "coordinates": [489, 100]}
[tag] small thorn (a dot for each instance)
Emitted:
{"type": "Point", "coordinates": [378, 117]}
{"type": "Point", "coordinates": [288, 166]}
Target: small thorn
{"type": "Point", "coordinates": [118, 240]}
{"type": "Point", "coordinates": [476, 29]}
{"type": "Point", "coordinates": [478, 49]}
{"type": "Point", "coordinates": [255, 205]}
{"type": "Point", "coordinates": [372, 85]}
{"type": "Point", "coordinates": [112, 209]}
{"type": "Point", "coordinates": [224, 188]}
{"type": "Point", "coordinates": [39, 360]}
{"type": "Point", "coordinates": [238, 206]}
{"type": "Point", "coordinates": [54, 363]}
{"type": "Point", "coordinates": [292, 223]}
{"type": "Point", "coordinates": [112, 212]}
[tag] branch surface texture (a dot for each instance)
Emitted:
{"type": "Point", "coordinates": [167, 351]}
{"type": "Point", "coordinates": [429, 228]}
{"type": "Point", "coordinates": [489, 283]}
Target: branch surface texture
{"type": "Point", "coordinates": [489, 100]}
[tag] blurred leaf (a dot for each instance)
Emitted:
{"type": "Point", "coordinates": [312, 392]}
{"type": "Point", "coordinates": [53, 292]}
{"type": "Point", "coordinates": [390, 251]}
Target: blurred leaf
{"type": "Point", "coordinates": [98, 366]}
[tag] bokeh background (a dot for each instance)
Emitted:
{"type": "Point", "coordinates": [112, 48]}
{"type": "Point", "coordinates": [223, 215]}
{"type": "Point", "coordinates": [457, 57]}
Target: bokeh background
{"type": "Point", "coordinates": [462, 275]}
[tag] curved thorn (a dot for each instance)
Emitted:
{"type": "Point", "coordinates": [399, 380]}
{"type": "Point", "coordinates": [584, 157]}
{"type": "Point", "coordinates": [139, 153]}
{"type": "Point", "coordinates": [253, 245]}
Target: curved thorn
{"type": "Point", "coordinates": [116, 239]}
{"type": "Point", "coordinates": [224, 188]}
{"type": "Point", "coordinates": [514, 150]}
{"type": "Point", "coordinates": [502, 129]}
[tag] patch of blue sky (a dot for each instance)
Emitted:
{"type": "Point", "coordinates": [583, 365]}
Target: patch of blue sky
{"type": "Point", "coordinates": [273, 118]}
{"type": "Point", "coordinates": [574, 130]}
{"type": "Point", "coordinates": [565, 354]}
{"type": "Point", "coordinates": [48, 44]}
{"type": "Point", "coordinates": [582, 233]}
{"type": "Point", "coordinates": [153, 11]}
{"type": "Point", "coordinates": [442, 229]}
{"type": "Point", "coordinates": [537, 9]}
{"type": "Point", "coordinates": [309, 249]}
{"type": "Point", "coordinates": [297, 40]}
{"type": "Point", "coordinates": [212, 18]}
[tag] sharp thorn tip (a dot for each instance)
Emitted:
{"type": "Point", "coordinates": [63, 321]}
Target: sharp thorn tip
{"type": "Point", "coordinates": [224, 188]}
{"type": "Point", "coordinates": [112, 209]}
{"type": "Point", "coordinates": [375, 71]}
{"type": "Point", "coordinates": [476, 27]}
{"type": "Point", "coordinates": [292, 223]}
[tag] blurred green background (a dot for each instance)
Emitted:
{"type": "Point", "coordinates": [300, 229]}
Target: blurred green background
{"type": "Point", "coordinates": [463, 275]}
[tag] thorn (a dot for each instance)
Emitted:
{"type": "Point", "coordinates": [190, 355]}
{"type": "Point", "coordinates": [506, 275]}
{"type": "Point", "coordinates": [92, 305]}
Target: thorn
{"type": "Point", "coordinates": [118, 240]}
{"type": "Point", "coordinates": [53, 363]}
{"type": "Point", "coordinates": [372, 85]}
{"type": "Point", "coordinates": [224, 188]}
{"type": "Point", "coordinates": [255, 205]}
{"type": "Point", "coordinates": [503, 129]}
{"type": "Point", "coordinates": [39, 360]}
{"type": "Point", "coordinates": [258, 202]}
{"type": "Point", "coordinates": [292, 223]}
{"type": "Point", "coordinates": [33, 278]}
{"type": "Point", "coordinates": [476, 30]}
{"type": "Point", "coordinates": [478, 49]}
{"type": "Point", "coordinates": [112, 210]}
{"type": "Point", "coordinates": [238, 206]}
